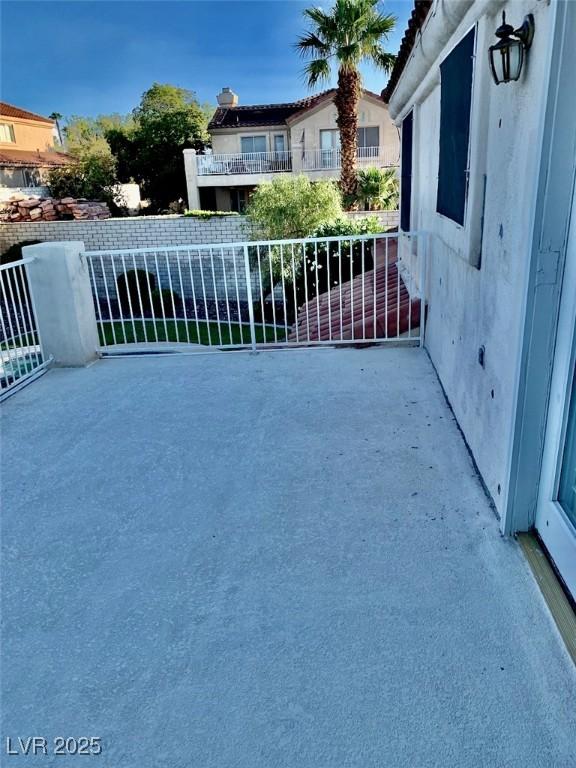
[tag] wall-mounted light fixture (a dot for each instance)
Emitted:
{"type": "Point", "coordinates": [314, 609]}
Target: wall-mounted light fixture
{"type": "Point", "coordinates": [507, 55]}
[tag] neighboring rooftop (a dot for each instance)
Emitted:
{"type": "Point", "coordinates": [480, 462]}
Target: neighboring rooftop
{"type": "Point", "coordinates": [419, 14]}
{"type": "Point", "coordinates": [269, 114]}
{"type": "Point", "coordinates": [9, 110]}
{"type": "Point", "coordinates": [18, 157]}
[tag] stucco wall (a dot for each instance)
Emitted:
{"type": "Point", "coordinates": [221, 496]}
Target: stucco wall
{"type": "Point", "coordinates": [370, 113]}
{"type": "Point", "coordinates": [477, 273]}
{"type": "Point", "coordinates": [28, 134]}
{"type": "Point", "coordinates": [229, 142]}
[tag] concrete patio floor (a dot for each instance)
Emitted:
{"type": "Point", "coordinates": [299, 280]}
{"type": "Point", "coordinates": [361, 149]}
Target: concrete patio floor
{"type": "Point", "coordinates": [258, 561]}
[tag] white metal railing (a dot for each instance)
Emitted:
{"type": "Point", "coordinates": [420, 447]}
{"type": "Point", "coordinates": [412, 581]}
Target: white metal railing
{"type": "Point", "coordinates": [281, 162]}
{"type": "Point", "coordinates": [327, 159]}
{"type": "Point", "coordinates": [315, 291]}
{"type": "Point", "coordinates": [21, 355]}
{"type": "Point", "coordinates": [248, 162]}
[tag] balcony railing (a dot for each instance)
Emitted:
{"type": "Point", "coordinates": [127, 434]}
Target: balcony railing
{"type": "Point", "coordinates": [282, 162]}
{"type": "Point", "coordinates": [249, 162]}
{"type": "Point", "coordinates": [326, 159]}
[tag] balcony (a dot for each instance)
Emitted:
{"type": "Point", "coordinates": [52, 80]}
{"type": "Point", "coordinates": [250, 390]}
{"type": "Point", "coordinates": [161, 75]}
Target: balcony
{"type": "Point", "coordinates": [285, 162]}
{"type": "Point", "coordinates": [326, 159]}
{"type": "Point", "coordinates": [273, 559]}
{"type": "Point", "coordinates": [247, 163]}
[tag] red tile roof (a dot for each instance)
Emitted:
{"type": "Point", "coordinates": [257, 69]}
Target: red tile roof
{"type": "Point", "coordinates": [8, 110]}
{"type": "Point", "coordinates": [16, 157]}
{"type": "Point", "coordinates": [269, 114]}
{"type": "Point", "coordinates": [419, 14]}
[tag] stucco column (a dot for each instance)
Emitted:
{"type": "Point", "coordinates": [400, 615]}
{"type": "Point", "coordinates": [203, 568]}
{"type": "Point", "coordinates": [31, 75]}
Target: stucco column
{"type": "Point", "coordinates": [65, 314]}
{"type": "Point", "coordinates": [191, 169]}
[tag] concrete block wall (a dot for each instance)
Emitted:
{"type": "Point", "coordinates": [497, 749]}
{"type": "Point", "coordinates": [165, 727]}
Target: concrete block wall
{"type": "Point", "coordinates": [388, 219]}
{"type": "Point", "coordinates": [147, 231]}
{"type": "Point", "coordinates": [140, 232]}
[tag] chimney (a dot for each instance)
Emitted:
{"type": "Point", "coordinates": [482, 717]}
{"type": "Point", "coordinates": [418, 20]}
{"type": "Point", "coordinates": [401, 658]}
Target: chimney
{"type": "Point", "coordinates": [227, 98]}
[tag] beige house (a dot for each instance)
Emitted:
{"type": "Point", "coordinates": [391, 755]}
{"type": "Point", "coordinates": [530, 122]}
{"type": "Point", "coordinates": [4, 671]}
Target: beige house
{"type": "Point", "coordinates": [252, 144]}
{"type": "Point", "coordinates": [27, 147]}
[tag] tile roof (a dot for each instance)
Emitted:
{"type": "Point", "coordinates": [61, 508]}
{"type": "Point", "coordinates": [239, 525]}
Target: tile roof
{"type": "Point", "coordinates": [268, 114]}
{"type": "Point", "coordinates": [15, 157]}
{"type": "Point", "coordinates": [8, 110]}
{"type": "Point", "coordinates": [419, 14]}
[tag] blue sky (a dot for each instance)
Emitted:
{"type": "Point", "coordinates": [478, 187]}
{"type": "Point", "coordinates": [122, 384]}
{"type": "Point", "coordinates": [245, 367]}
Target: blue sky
{"type": "Point", "coordinates": [89, 57]}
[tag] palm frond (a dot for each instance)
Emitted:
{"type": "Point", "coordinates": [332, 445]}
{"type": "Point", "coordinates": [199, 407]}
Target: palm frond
{"type": "Point", "coordinates": [353, 31]}
{"type": "Point", "coordinates": [310, 44]}
{"type": "Point", "coordinates": [317, 71]}
{"type": "Point", "coordinates": [383, 59]}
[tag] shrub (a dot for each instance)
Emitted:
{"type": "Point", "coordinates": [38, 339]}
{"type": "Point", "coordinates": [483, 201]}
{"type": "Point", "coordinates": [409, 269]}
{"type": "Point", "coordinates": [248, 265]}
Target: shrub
{"type": "Point", "coordinates": [378, 189]}
{"type": "Point", "coordinates": [344, 259]}
{"type": "Point", "coordinates": [209, 214]}
{"type": "Point", "coordinates": [167, 303]}
{"type": "Point", "coordinates": [14, 252]}
{"type": "Point", "coordinates": [134, 287]}
{"type": "Point", "coordinates": [137, 287]}
{"type": "Point", "coordinates": [293, 206]}
{"type": "Point", "coordinates": [92, 178]}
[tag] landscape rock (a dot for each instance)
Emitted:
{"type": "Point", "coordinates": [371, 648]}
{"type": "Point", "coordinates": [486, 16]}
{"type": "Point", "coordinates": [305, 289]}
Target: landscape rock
{"type": "Point", "coordinates": [21, 208]}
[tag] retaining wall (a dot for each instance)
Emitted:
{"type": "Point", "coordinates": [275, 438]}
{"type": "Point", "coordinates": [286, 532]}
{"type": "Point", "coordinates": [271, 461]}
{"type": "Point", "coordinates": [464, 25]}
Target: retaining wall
{"type": "Point", "coordinates": [140, 232]}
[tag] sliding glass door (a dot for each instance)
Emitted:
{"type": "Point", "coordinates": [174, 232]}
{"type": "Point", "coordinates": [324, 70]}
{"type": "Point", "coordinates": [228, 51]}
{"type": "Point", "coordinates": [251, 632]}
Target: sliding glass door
{"type": "Point", "coordinates": [556, 511]}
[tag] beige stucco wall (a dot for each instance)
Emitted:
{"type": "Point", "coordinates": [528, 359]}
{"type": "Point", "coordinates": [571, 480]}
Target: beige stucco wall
{"type": "Point", "coordinates": [28, 134]}
{"type": "Point", "coordinates": [370, 113]}
{"type": "Point", "coordinates": [228, 143]}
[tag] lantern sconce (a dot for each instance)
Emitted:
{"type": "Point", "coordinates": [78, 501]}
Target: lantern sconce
{"type": "Point", "coordinates": [507, 55]}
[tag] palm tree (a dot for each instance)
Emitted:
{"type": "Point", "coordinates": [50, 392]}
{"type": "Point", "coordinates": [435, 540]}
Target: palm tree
{"type": "Point", "coordinates": [351, 33]}
{"type": "Point", "coordinates": [56, 116]}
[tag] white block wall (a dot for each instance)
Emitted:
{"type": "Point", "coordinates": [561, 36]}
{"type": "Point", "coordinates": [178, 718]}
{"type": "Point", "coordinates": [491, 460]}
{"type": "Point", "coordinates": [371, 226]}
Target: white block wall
{"type": "Point", "coordinates": [147, 231]}
{"type": "Point", "coordinates": [141, 232]}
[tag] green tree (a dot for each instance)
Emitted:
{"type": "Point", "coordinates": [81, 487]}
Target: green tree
{"type": "Point", "coordinates": [57, 117]}
{"type": "Point", "coordinates": [351, 33]}
{"type": "Point", "coordinates": [86, 136]}
{"type": "Point", "coordinates": [92, 177]}
{"type": "Point", "coordinates": [167, 121]}
{"type": "Point", "coordinates": [293, 206]}
{"type": "Point", "coordinates": [289, 207]}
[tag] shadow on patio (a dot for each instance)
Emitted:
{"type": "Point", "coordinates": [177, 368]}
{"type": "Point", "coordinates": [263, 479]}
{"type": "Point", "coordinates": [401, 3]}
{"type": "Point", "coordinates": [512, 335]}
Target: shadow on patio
{"type": "Point", "coordinates": [274, 560]}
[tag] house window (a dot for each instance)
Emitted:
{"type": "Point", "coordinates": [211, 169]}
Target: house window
{"type": "Point", "coordinates": [250, 144]}
{"type": "Point", "coordinates": [279, 143]}
{"type": "Point", "coordinates": [455, 102]}
{"type": "Point", "coordinates": [368, 137]}
{"type": "Point", "coordinates": [7, 133]}
{"type": "Point", "coordinates": [31, 177]}
{"type": "Point", "coordinates": [406, 174]}
{"type": "Point", "coordinates": [330, 148]}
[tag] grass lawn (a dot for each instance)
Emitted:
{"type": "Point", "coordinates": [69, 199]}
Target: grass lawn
{"type": "Point", "coordinates": [176, 330]}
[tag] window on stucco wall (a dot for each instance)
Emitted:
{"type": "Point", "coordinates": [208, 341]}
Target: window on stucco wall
{"type": "Point", "coordinates": [406, 174]}
{"type": "Point", "coordinates": [7, 133]}
{"type": "Point", "coordinates": [456, 73]}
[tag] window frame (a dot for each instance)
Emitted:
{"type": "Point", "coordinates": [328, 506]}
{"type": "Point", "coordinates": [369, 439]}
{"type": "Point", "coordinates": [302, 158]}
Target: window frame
{"type": "Point", "coordinates": [443, 214]}
{"type": "Point", "coordinates": [367, 128]}
{"type": "Point", "coordinates": [253, 136]}
{"type": "Point", "coordinates": [405, 202]}
{"type": "Point", "coordinates": [10, 127]}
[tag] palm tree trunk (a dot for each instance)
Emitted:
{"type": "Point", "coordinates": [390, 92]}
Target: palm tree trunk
{"type": "Point", "coordinates": [346, 101]}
